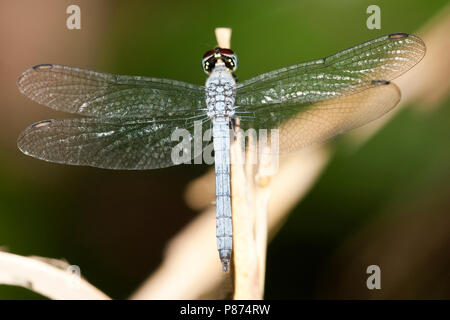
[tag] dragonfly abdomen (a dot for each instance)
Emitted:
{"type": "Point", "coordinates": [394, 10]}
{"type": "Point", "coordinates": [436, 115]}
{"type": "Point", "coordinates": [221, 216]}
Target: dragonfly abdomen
{"type": "Point", "coordinates": [224, 229]}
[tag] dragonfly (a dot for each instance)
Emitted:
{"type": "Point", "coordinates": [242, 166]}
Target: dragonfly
{"type": "Point", "coordinates": [127, 121]}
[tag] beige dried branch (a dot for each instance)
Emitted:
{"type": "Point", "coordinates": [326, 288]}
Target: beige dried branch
{"type": "Point", "coordinates": [49, 277]}
{"type": "Point", "coordinates": [246, 261]}
{"type": "Point", "coordinates": [223, 37]}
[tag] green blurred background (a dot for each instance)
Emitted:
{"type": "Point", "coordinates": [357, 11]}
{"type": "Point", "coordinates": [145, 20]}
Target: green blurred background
{"type": "Point", "coordinates": [386, 203]}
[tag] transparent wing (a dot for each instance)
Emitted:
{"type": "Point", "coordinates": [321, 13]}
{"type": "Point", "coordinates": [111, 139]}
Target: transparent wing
{"type": "Point", "coordinates": [92, 93]}
{"type": "Point", "coordinates": [344, 73]}
{"type": "Point", "coordinates": [111, 143]}
{"type": "Point", "coordinates": [302, 125]}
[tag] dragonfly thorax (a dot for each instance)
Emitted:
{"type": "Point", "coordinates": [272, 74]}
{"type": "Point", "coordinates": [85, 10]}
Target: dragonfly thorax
{"type": "Point", "coordinates": [220, 92]}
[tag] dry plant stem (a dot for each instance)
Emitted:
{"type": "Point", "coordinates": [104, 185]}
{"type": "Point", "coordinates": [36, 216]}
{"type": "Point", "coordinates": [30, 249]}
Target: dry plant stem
{"type": "Point", "coordinates": [223, 37]}
{"type": "Point", "coordinates": [297, 173]}
{"type": "Point", "coordinates": [250, 201]}
{"type": "Point", "coordinates": [245, 258]}
{"type": "Point", "coordinates": [261, 229]}
{"type": "Point", "coordinates": [46, 279]}
{"type": "Point", "coordinates": [246, 261]}
{"type": "Point", "coordinates": [266, 169]}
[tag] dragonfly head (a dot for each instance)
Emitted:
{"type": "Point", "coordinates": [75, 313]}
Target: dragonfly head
{"type": "Point", "coordinates": [219, 56]}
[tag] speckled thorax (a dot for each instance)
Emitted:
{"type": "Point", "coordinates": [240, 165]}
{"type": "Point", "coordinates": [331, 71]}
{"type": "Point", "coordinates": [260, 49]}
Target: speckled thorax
{"type": "Point", "coordinates": [220, 93]}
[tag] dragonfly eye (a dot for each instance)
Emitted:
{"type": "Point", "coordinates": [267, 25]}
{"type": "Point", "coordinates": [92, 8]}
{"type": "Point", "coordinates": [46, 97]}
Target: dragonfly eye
{"type": "Point", "coordinates": [229, 58]}
{"type": "Point", "coordinates": [230, 61]}
{"type": "Point", "coordinates": [209, 62]}
{"type": "Point", "coordinates": [209, 53]}
{"type": "Point", "coordinates": [228, 52]}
